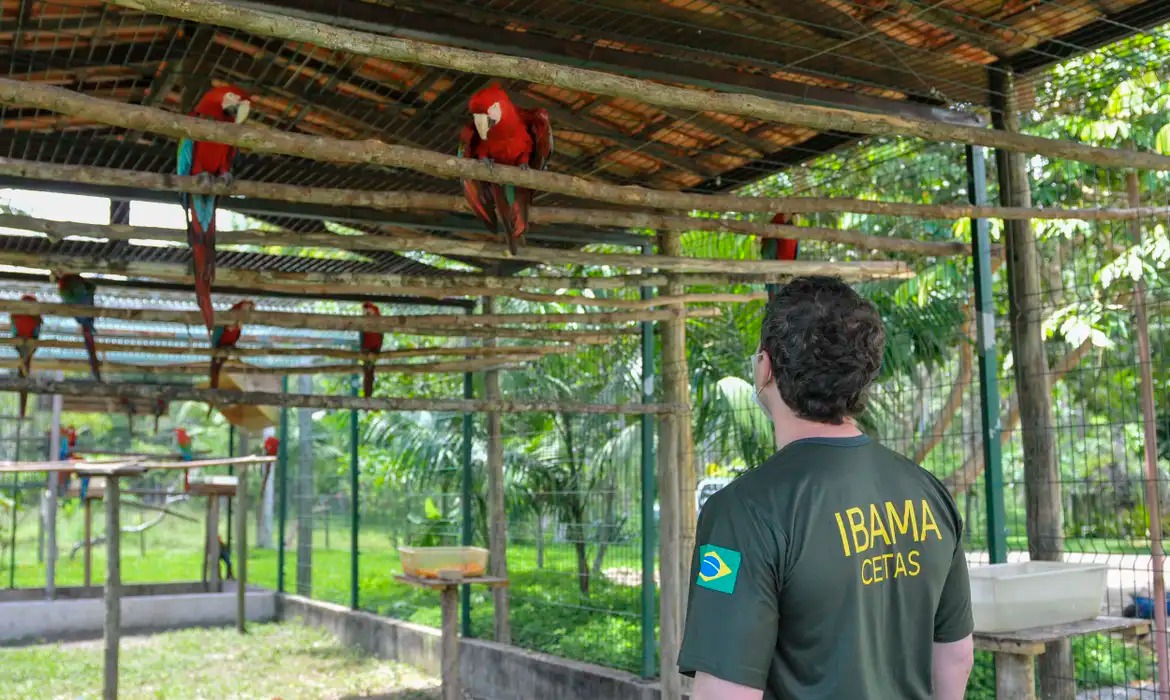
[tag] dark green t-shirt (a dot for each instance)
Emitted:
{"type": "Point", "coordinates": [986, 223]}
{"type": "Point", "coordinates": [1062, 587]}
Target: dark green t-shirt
{"type": "Point", "coordinates": [828, 572]}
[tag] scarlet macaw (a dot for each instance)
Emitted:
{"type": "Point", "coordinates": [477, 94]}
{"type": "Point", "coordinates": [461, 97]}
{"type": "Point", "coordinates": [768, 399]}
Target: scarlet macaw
{"type": "Point", "coordinates": [205, 160]}
{"type": "Point", "coordinates": [500, 132]}
{"type": "Point", "coordinates": [777, 249]}
{"type": "Point", "coordinates": [76, 289]}
{"type": "Point", "coordinates": [28, 329]}
{"type": "Point", "coordinates": [271, 448]}
{"type": "Point", "coordinates": [371, 342]}
{"type": "Point", "coordinates": [226, 337]}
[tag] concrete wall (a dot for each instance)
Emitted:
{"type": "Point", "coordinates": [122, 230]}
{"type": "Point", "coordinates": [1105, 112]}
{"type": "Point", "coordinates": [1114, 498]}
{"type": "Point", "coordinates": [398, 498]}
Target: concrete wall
{"type": "Point", "coordinates": [82, 618]}
{"type": "Point", "coordinates": [128, 589]}
{"type": "Point", "coordinates": [489, 670]}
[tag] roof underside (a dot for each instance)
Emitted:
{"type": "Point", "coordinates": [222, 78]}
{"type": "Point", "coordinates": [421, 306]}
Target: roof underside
{"type": "Point", "coordinates": [924, 58]}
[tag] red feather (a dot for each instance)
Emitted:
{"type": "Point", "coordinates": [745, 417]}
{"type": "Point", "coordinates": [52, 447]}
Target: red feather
{"type": "Point", "coordinates": [91, 350]}
{"type": "Point", "coordinates": [371, 342]}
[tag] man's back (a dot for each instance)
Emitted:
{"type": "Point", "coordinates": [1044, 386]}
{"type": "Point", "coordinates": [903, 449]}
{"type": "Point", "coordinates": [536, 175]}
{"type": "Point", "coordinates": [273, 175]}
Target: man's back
{"type": "Point", "coordinates": [835, 566]}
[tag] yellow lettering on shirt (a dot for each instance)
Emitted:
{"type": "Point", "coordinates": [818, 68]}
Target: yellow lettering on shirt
{"type": "Point", "coordinates": [889, 523]}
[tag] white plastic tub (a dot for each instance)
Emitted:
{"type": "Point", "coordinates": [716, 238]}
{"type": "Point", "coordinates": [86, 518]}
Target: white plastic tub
{"type": "Point", "coordinates": [1009, 597]}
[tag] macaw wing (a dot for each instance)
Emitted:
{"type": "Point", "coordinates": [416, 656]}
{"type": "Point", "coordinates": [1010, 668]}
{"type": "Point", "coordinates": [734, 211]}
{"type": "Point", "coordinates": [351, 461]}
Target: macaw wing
{"type": "Point", "coordinates": [478, 194]}
{"type": "Point", "coordinates": [540, 128]}
{"type": "Point", "coordinates": [186, 156]}
{"type": "Point", "coordinates": [217, 335]}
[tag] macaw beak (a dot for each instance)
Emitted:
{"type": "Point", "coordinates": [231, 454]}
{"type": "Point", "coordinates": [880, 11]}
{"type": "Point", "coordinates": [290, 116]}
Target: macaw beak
{"type": "Point", "coordinates": [242, 111]}
{"type": "Point", "coordinates": [481, 125]}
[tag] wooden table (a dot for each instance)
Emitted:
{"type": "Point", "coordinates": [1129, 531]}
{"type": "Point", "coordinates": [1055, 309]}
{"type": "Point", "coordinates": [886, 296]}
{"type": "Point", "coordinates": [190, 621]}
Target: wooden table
{"type": "Point", "coordinates": [1015, 652]}
{"type": "Point", "coordinates": [449, 603]}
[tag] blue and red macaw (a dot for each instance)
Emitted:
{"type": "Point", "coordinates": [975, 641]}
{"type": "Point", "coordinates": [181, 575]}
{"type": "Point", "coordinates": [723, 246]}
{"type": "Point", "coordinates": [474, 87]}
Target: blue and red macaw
{"type": "Point", "coordinates": [27, 328]}
{"type": "Point", "coordinates": [777, 249]}
{"type": "Point", "coordinates": [78, 290]}
{"type": "Point", "coordinates": [186, 454]}
{"type": "Point", "coordinates": [226, 337]}
{"type": "Point", "coordinates": [500, 132]}
{"type": "Point", "coordinates": [371, 342]}
{"type": "Point", "coordinates": [206, 160]}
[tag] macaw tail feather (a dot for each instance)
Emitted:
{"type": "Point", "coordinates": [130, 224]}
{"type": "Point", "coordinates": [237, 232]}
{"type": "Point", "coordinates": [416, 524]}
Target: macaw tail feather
{"type": "Point", "coordinates": [91, 350]}
{"type": "Point", "coordinates": [216, 366]}
{"type": "Point", "coordinates": [368, 379]}
{"type": "Point", "coordinates": [23, 370]}
{"type": "Point", "coordinates": [202, 242]}
{"type": "Point", "coordinates": [129, 406]}
{"type": "Point", "coordinates": [512, 205]}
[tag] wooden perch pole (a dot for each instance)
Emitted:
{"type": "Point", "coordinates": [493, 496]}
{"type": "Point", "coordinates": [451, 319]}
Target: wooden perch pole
{"type": "Point", "coordinates": [457, 323]}
{"type": "Point", "coordinates": [260, 139]}
{"type": "Point", "coordinates": [272, 24]}
{"type": "Point", "coordinates": [336, 353]}
{"type": "Point", "coordinates": [201, 370]}
{"type": "Point", "coordinates": [392, 201]}
{"type": "Point", "coordinates": [227, 397]}
{"type": "Point", "coordinates": [454, 284]}
{"type": "Point", "coordinates": [57, 230]}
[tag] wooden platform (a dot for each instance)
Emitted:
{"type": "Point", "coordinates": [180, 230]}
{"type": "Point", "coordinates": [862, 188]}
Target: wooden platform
{"type": "Point", "coordinates": [214, 486]}
{"type": "Point", "coordinates": [440, 583]}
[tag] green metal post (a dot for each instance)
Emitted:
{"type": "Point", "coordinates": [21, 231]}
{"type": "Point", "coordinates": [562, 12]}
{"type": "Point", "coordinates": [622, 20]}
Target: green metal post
{"type": "Point", "coordinates": [465, 497]}
{"type": "Point", "coordinates": [282, 473]}
{"type": "Point", "coordinates": [988, 360]}
{"type": "Point", "coordinates": [353, 500]}
{"type": "Point", "coordinates": [649, 484]}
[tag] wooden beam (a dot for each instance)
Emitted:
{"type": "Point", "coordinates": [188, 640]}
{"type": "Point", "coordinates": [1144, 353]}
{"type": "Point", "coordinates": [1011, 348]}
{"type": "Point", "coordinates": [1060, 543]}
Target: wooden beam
{"type": "Point", "coordinates": [371, 152]}
{"type": "Point", "coordinates": [544, 216]}
{"type": "Point", "coordinates": [271, 24]}
{"type": "Point", "coordinates": [221, 397]}
{"type": "Point", "coordinates": [57, 230]}
{"type": "Point", "coordinates": [336, 353]}
{"type": "Point", "coordinates": [451, 284]}
{"type": "Point", "coordinates": [337, 322]}
{"type": "Point", "coordinates": [201, 370]}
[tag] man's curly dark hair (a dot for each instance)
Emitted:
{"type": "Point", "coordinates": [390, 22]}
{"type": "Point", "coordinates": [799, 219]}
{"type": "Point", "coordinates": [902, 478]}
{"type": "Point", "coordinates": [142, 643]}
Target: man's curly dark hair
{"type": "Point", "coordinates": [825, 343]}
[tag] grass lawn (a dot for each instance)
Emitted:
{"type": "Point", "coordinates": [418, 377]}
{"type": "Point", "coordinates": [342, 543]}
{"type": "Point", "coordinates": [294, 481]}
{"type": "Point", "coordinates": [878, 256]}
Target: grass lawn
{"type": "Point", "coordinates": [289, 662]}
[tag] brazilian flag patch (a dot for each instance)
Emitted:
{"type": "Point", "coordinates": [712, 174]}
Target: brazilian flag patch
{"type": "Point", "coordinates": [718, 568]}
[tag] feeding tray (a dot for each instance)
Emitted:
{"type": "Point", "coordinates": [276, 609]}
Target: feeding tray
{"type": "Point", "coordinates": [213, 486]}
{"type": "Point", "coordinates": [443, 562]}
{"type": "Point", "coordinates": [1010, 597]}
{"type": "Point", "coordinates": [95, 491]}
{"type": "Point", "coordinates": [251, 418]}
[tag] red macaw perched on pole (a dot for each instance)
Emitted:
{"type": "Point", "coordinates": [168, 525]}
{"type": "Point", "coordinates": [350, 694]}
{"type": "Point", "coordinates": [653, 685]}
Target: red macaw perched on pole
{"type": "Point", "coordinates": [271, 448]}
{"type": "Point", "coordinates": [500, 132]}
{"type": "Point", "coordinates": [371, 342]}
{"type": "Point", "coordinates": [205, 160]}
{"type": "Point", "coordinates": [777, 249]}
{"type": "Point", "coordinates": [28, 329]}
{"type": "Point", "coordinates": [226, 337]}
{"type": "Point", "coordinates": [78, 290]}
{"type": "Point", "coordinates": [185, 455]}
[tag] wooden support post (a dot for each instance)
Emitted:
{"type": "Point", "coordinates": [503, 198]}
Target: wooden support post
{"type": "Point", "coordinates": [304, 494]}
{"type": "Point", "coordinates": [1015, 676]}
{"type": "Point", "coordinates": [497, 511]}
{"type": "Point", "coordinates": [241, 549]}
{"type": "Point", "coordinates": [50, 503]}
{"type": "Point", "coordinates": [211, 546]}
{"type": "Point", "coordinates": [449, 606]}
{"type": "Point", "coordinates": [88, 506]}
{"type": "Point", "coordinates": [1041, 472]}
{"type": "Point", "coordinates": [113, 586]}
{"type": "Point", "coordinates": [670, 557]}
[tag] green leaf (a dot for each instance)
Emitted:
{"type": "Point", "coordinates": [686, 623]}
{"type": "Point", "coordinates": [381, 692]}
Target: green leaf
{"type": "Point", "coordinates": [1162, 140]}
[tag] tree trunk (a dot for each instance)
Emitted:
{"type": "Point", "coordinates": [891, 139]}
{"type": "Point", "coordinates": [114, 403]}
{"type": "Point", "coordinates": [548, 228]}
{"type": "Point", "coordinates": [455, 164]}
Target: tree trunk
{"type": "Point", "coordinates": [305, 495]}
{"type": "Point", "coordinates": [582, 561]}
{"type": "Point", "coordinates": [539, 539]}
{"type": "Point", "coordinates": [1041, 471]}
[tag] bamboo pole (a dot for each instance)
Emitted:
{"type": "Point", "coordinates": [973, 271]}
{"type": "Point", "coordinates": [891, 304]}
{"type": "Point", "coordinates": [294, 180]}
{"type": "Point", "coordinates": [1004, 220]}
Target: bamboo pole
{"type": "Point", "coordinates": [496, 507]}
{"type": "Point", "coordinates": [397, 200]}
{"type": "Point", "coordinates": [335, 353]}
{"type": "Point", "coordinates": [426, 200]}
{"type": "Point", "coordinates": [450, 247]}
{"type": "Point", "coordinates": [201, 370]}
{"type": "Point", "coordinates": [452, 323]}
{"type": "Point", "coordinates": [272, 24]}
{"type": "Point", "coordinates": [453, 284]}
{"type": "Point", "coordinates": [223, 397]}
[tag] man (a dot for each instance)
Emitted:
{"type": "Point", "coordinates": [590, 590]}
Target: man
{"type": "Point", "coordinates": [835, 569]}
